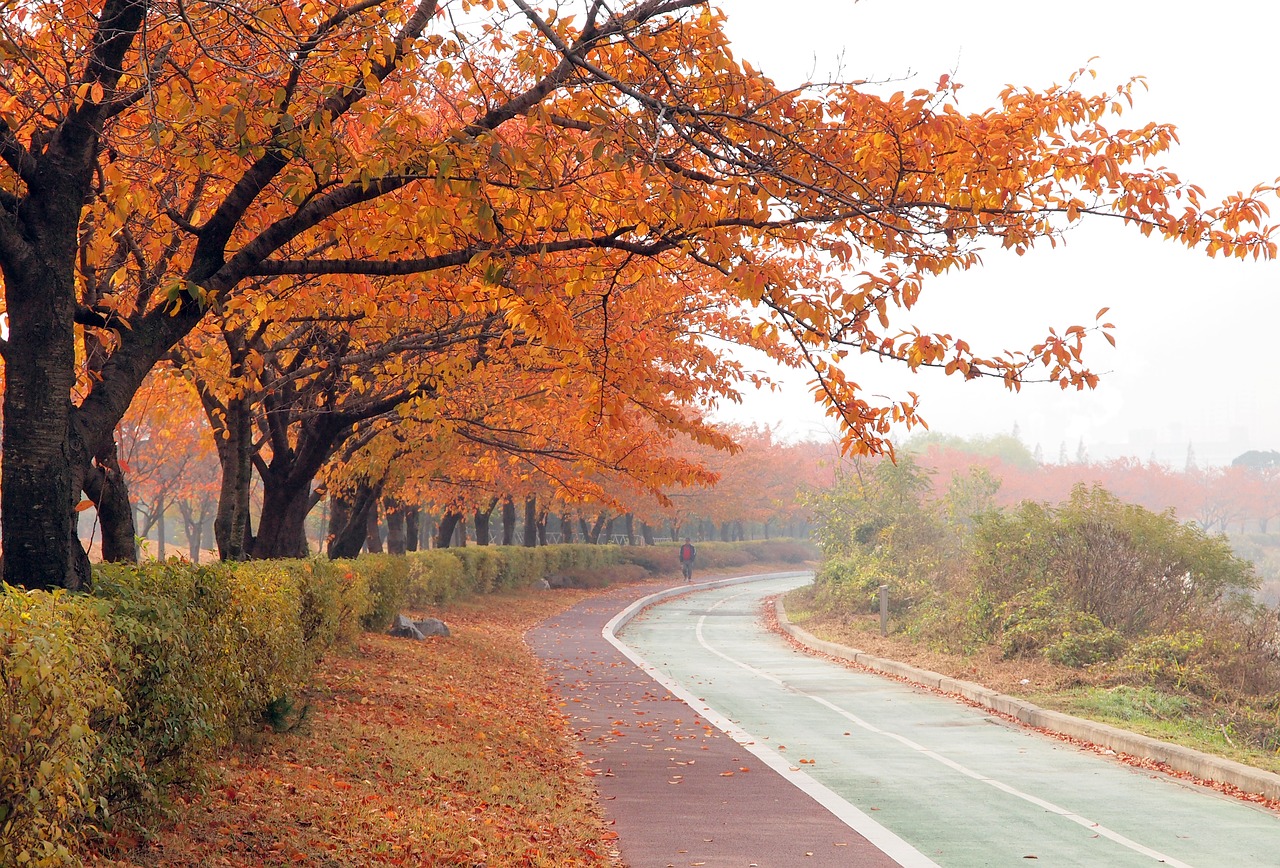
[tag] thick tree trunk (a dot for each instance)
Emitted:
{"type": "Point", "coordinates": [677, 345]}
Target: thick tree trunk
{"type": "Point", "coordinates": [282, 529]}
{"type": "Point", "coordinates": [542, 529]}
{"type": "Point", "coordinates": [232, 518]}
{"type": "Point", "coordinates": [646, 533]}
{"type": "Point", "coordinates": [348, 523]}
{"type": "Point", "coordinates": [481, 519]}
{"type": "Point", "coordinates": [508, 521]}
{"type": "Point", "coordinates": [396, 542]}
{"type": "Point", "coordinates": [373, 531]}
{"type": "Point", "coordinates": [444, 533]}
{"type": "Point", "coordinates": [40, 465]}
{"type": "Point", "coordinates": [593, 536]}
{"type": "Point", "coordinates": [106, 486]}
{"type": "Point", "coordinates": [566, 527]}
{"type": "Point", "coordinates": [629, 522]}
{"type": "Point", "coordinates": [411, 529]}
{"type": "Point", "coordinates": [531, 521]}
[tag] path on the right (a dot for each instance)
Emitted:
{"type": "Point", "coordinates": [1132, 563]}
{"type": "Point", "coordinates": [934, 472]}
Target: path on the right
{"type": "Point", "coordinates": [961, 786]}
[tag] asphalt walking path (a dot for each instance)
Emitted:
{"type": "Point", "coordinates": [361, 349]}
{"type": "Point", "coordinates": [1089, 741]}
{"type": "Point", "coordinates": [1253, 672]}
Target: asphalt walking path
{"type": "Point", "coordinates": [680, 791]}
{"type": "Point", "coordinates": [716, 743]}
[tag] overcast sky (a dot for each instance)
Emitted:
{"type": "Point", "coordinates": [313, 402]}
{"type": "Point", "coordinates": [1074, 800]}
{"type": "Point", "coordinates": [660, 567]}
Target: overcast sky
{"type": "Point", "coordinates": [1196, 337]}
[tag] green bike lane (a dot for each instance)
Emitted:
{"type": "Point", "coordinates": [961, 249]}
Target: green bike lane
{"type": "Point", "coordinates": [943, 782]}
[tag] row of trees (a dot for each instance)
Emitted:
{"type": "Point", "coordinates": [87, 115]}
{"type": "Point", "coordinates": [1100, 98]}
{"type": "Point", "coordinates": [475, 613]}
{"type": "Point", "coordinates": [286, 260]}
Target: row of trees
{"type": "Point", "coordinates": [518, 236]}
{"type": "Point", "coordinates": [1239, 498]}
{"type": "Point", "coordinates": [432, 496]}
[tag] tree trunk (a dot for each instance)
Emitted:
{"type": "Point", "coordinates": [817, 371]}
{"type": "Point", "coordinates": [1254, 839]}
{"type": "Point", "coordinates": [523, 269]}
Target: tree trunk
{"type": "Point", "coordinates": [106, 486]}
{"type": "Point", "coordinates": [233, 497]}
{"type": "Point", "coordinates": [444, 534]}
{"type": "Point", "coordinates": [531, 521]}
{"type": "Point", "coordinates": [348, 520]}
{"type": "Point", "coordinates": [629, 522]}
{"type": "Point", "coordinates": [282, 529]}
{"type": "Point", "coordinates": [373, 532]}
{"type": "Point", "coordinates": [482, 523]}
{"type": "Point", "coordinates": [160, 540]}
{"type": "Point", "coordinates": [646, 533]}
{"type": "Point", "coordinates": [411, 529]}
{"type": "Point", "coordinates": [542, 529]}
{"type": "Point", "coordinates": [38, 461]}
{"type": "Point", "coordinates": [397, 544]}
{"type": "Point", "coordinates": [508, 521]}
{"type": "Point", "coordinates": [594, 536]}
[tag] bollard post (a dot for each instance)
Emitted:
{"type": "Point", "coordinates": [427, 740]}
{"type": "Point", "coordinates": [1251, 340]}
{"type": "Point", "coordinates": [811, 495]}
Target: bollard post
{"type": "Point", "coordinates": [884, 610]}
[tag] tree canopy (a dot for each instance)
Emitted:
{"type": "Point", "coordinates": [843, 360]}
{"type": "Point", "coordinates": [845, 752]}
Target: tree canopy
{"type": "Point", "coordinates": [246, 187]}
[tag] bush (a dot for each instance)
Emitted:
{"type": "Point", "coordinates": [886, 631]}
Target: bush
{"type": "Point", "coordinates": [1038, 623]}
{"type": "Point", "coordinates": [435, 578]}
{"type": "Point", "coordinates": [54, 677]}
{"type": "Point", "coordinates": [200, 654]}
{"type": "Point", "coordinates": [1174, 660]}
{"type": "Point", "coordinates": [388, 578]}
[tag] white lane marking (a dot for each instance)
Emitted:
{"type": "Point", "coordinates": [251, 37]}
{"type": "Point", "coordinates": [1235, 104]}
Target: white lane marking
{"type": "Point", "coordinates": [886, 841]}
{"type": "Point", "coordinates": [1092, 826]}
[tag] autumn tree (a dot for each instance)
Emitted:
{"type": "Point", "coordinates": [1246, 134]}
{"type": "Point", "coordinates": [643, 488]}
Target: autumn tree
{"type": "Point", "coordinates": [166, 452]}
{"type": "Point", "coordinates": [161, 160]}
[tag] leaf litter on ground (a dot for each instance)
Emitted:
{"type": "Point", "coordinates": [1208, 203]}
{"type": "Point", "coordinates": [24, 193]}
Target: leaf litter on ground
{"type": "Point", "coordinates": [442, 752]}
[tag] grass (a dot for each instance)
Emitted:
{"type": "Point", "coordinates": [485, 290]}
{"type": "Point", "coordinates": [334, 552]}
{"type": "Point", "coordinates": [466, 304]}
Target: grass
{"type": "Point", "coordinates": [444, 752]}
{"type": "Point", "coordinates": [1220, 728]}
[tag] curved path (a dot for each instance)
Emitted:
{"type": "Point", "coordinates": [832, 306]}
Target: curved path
{"type": "Point", "coordinates": [679, 791]}
{"type": "Point", "coordinates": [928, 780]}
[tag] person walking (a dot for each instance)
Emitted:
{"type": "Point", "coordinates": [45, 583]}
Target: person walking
{"type": "Point", "coordinates": [687, 554]}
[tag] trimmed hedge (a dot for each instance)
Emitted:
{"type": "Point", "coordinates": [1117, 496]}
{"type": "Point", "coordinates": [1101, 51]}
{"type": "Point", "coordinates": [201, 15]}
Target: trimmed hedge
{"type": "Point", "coordinates": [108, 699]}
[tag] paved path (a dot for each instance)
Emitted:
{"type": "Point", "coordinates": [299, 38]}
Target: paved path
{"type": "Point", "coordinates": [957, 785]}
{"type": "Point", "coordinates": [679, 791]}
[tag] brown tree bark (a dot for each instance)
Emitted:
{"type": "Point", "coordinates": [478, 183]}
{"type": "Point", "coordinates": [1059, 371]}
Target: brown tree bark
{"type": "Point", "coordinates": [444, 533]}
{"type": "Point", "coordinates": [531, 521]}
{"type": "Point", "coordinates": [372, 531]}
{"type": "Point", "coordinates": [397, 544]}
{"type": "Point", "coordinates": [105, 485]}
{"type": "Point", "coordinates": [411, 528]}
{"type": "Point", "coordinates": [508, 521]}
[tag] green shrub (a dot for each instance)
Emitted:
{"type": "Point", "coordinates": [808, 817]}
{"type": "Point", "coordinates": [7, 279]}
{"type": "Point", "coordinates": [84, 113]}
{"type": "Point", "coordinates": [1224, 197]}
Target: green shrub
{"type": "Point", "coordinates": [1040, 623]}
{"type": "Point", "coordinates": [388, 578]}
{"type": "Point", "coordinates": [54, 677]}
{"type": "Point", "coordinates": [201, 653]}
{"type": "Point", "coordinates": [1176, 660]}
{"type": "Point", "coordinates": [335, 601]}
{"type": "Point", "coordinates": [435, 578]}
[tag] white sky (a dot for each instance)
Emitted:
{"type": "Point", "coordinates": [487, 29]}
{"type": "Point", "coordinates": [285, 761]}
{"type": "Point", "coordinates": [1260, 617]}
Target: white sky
{"type": "Point", "coordinates": [1196, 337]}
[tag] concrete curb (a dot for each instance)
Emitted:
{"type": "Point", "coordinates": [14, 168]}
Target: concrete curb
{"type": "Point", "coordinates": [1183, 759]}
